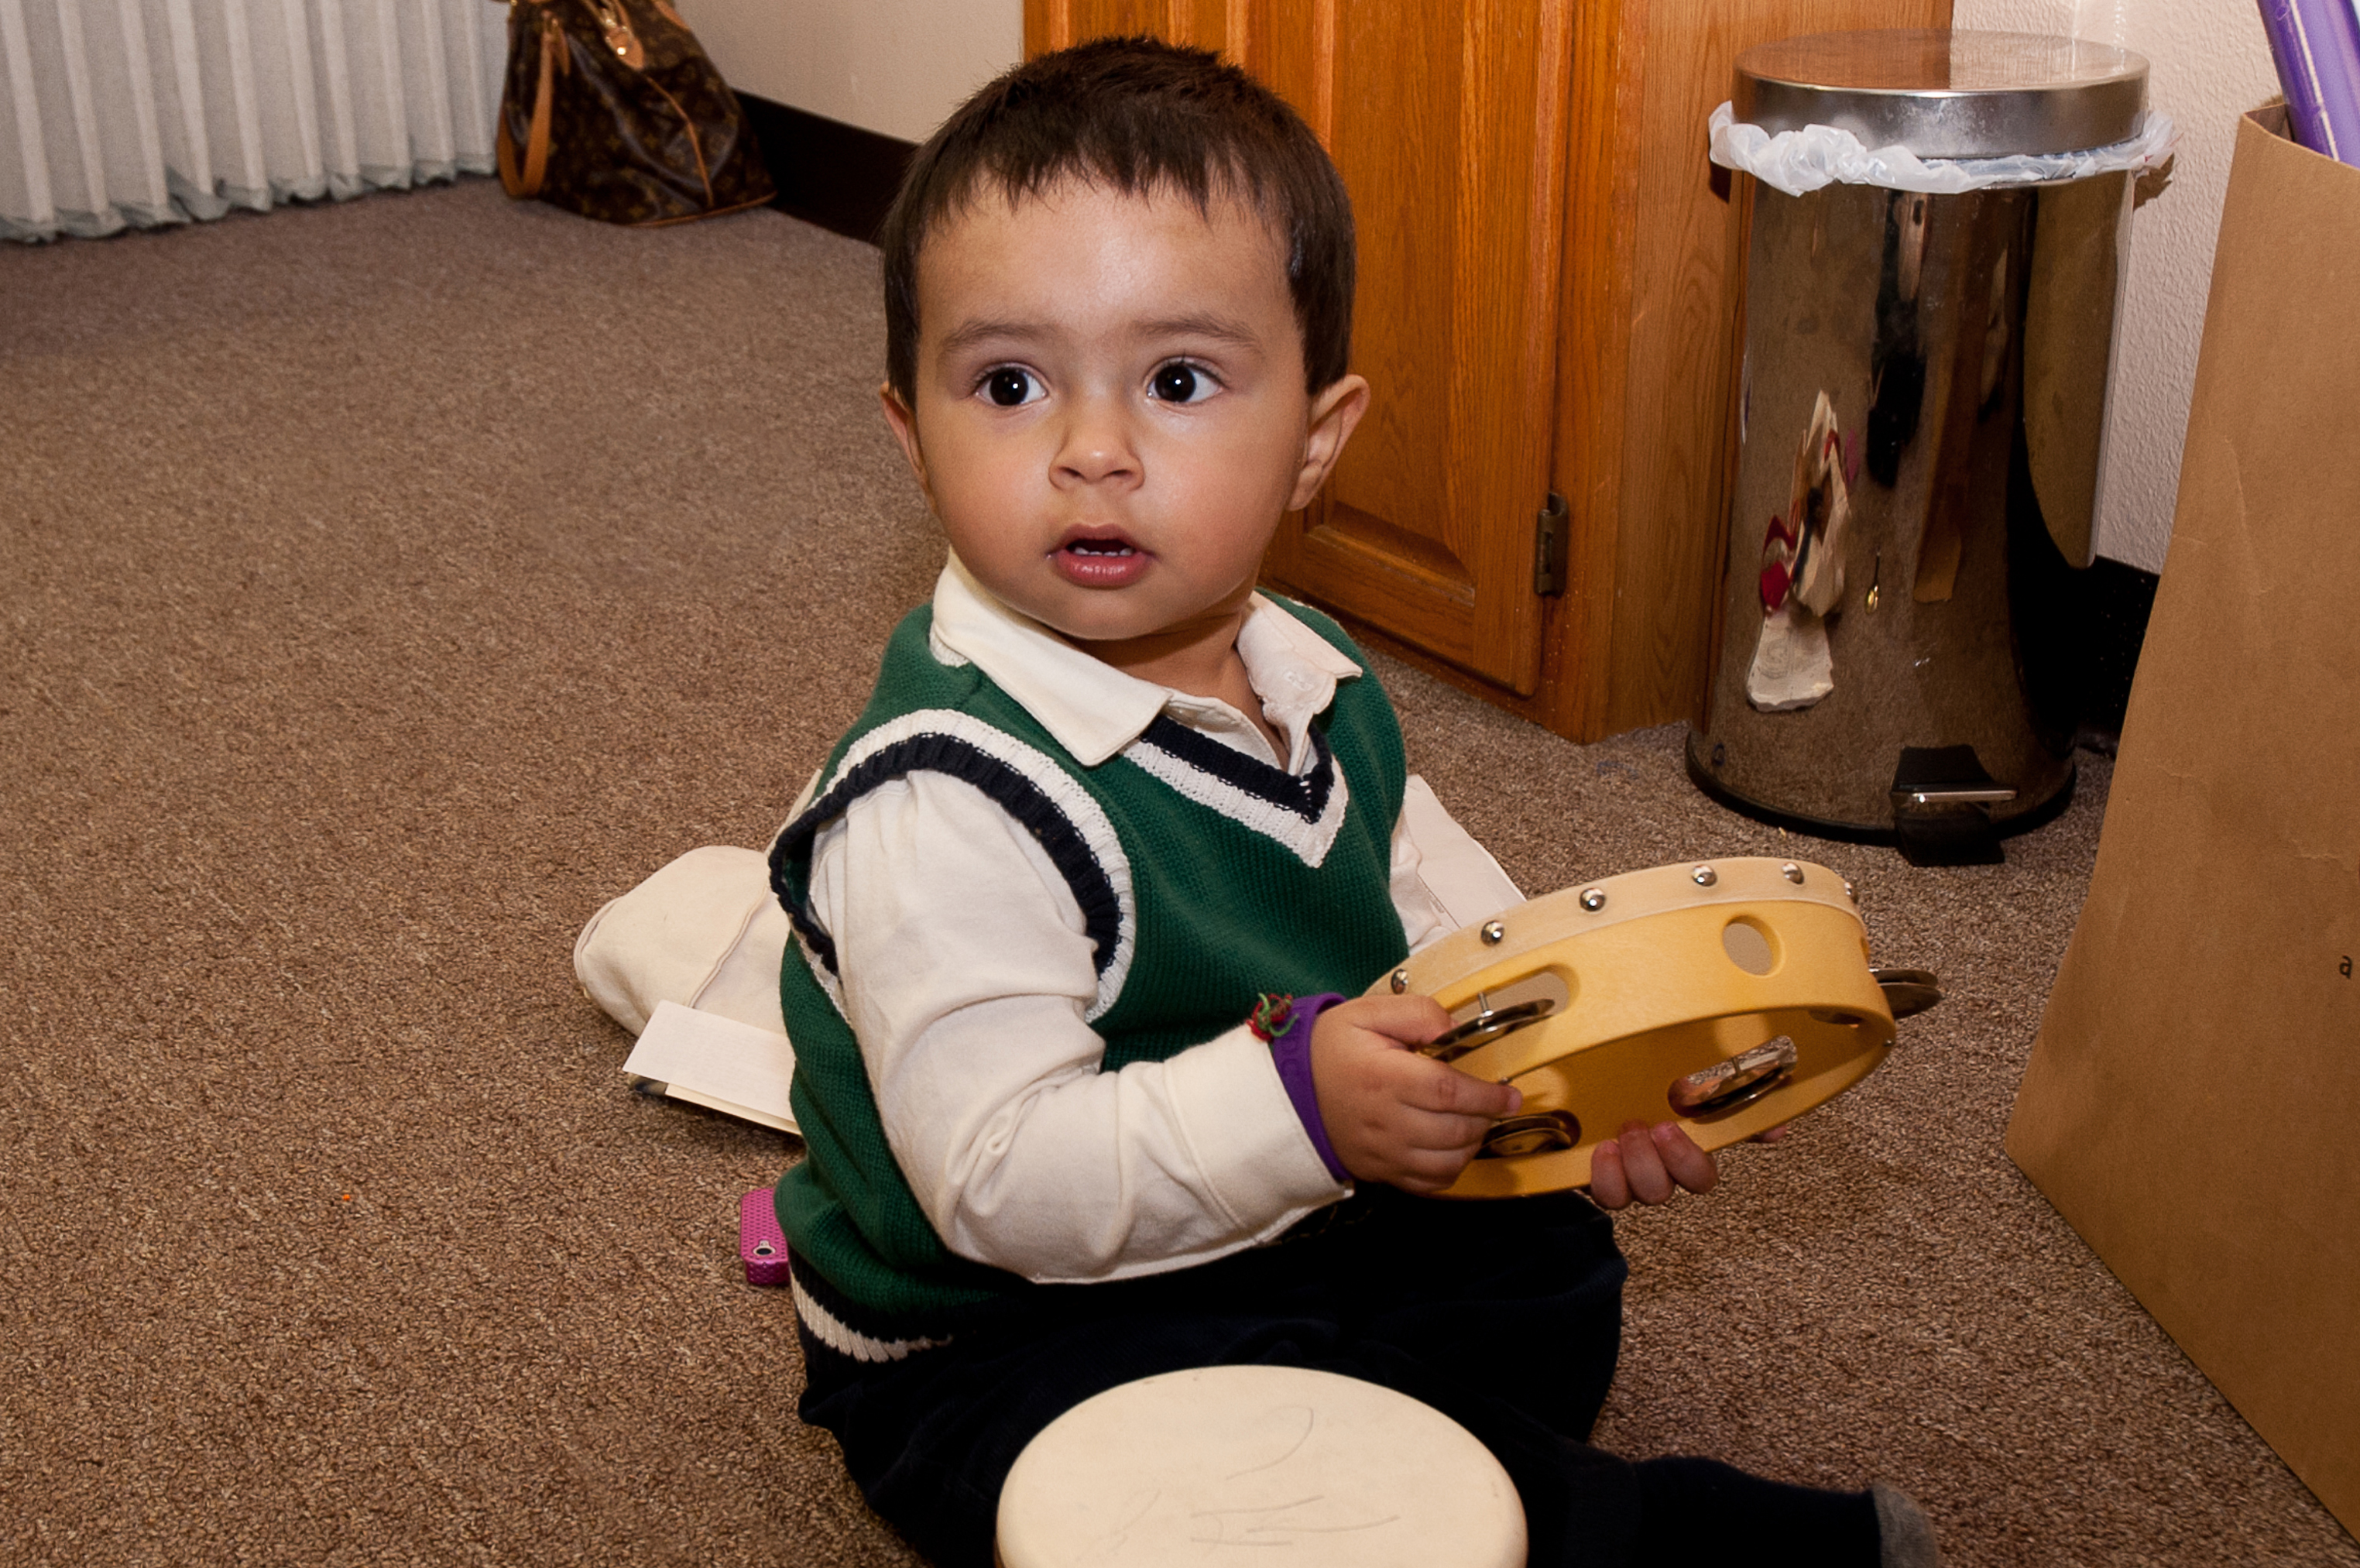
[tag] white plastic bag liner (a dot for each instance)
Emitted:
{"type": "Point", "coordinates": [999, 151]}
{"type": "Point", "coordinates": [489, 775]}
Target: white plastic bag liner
{"type": "Point", "coordinates": [1798, 162]}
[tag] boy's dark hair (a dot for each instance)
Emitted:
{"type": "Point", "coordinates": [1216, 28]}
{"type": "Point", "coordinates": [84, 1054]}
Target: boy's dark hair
{"type": "Point", "coordinates": [1135, 115]}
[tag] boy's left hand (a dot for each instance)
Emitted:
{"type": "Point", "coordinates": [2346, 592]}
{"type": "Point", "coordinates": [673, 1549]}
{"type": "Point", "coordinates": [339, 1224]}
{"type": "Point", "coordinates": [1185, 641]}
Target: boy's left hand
{"type": "Point", "coordinates": [1648, 1165]}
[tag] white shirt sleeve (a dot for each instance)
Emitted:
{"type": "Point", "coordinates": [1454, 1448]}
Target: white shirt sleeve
{"type": "Point", "coordinates": [1424, 919]}
{"type": "Point", "coordinates": [966, 978]}
{"type": "Point", "coordinates": [1442, 879]}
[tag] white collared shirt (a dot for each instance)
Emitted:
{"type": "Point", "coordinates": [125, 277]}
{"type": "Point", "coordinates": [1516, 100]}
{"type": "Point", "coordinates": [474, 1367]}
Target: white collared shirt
{"type": "Point", "coordinates": [967, 973]}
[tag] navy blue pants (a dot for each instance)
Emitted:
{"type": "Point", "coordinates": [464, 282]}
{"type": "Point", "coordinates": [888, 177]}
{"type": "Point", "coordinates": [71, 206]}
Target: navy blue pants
{"type": "Point", "coordinates": [1504, 1316]}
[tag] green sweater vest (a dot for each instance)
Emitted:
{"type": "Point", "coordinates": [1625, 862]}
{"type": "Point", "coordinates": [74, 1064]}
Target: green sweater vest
{"type": "Point", "coordinates": [1191, 865]}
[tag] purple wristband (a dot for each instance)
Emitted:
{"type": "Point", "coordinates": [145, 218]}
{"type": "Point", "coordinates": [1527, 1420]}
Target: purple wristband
{"type": "Point", "coordinates": [1290, 1049]}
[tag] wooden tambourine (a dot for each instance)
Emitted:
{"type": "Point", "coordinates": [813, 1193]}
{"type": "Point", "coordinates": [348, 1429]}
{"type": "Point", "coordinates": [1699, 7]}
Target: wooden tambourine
{"type": "Point", "coordinates": [1727, 995]}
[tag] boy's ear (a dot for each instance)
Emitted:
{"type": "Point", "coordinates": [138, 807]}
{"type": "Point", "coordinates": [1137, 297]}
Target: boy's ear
{"type": "Point", "coordinates": [1335, 411]}
{"type": "Point", "coordinates": [898, 414]}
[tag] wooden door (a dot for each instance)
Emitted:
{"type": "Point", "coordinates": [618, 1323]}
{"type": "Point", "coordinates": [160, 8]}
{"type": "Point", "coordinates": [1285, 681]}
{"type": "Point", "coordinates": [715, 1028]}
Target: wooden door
{"type": "Point", "coordinates": [1446, 118]}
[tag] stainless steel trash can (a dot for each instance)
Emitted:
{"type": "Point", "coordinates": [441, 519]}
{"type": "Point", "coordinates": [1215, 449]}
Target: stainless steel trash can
{"type": "Point", "coordinates": [1919, 371]}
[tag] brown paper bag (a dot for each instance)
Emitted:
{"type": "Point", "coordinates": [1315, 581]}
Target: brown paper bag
{"type": "Point", "coordinates": [2193, 1104]}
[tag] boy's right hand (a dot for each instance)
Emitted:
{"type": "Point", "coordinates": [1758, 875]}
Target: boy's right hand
{"type": "Point", "coordinates": [1392, 1115]}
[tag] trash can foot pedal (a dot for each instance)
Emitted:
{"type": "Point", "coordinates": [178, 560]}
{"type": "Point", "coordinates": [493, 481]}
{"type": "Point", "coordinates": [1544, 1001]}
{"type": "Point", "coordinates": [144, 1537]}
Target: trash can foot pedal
{"type": "Point", "coordinates": [1941, 808]}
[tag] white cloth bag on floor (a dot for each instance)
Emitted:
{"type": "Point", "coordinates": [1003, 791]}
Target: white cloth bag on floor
{"type": "Point", "coordinates": [705, 932]}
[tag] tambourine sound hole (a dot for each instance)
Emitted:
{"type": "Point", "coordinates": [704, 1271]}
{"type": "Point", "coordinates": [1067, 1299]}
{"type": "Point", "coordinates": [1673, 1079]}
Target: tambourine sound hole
{"type": "Point", "coordinates": [1485, 1027]}
{"type": "Point", "coordinates": [1740, 1081]}
{"type": "Point", "coordinates": [1540, 1132]}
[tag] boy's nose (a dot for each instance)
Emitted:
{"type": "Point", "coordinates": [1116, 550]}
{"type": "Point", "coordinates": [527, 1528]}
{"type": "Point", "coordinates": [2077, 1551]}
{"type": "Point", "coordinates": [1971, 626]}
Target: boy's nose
{"type": "Point", "coordinates": [1097, 446]}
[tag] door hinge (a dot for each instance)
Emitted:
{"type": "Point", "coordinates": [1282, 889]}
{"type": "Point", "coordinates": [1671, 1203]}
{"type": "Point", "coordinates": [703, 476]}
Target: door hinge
{"type": "Point", "coordinates": [1548, 548]}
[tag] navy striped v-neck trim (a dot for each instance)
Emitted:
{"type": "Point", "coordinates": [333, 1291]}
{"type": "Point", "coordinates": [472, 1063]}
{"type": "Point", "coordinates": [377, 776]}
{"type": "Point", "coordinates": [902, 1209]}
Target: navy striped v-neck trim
{"type": "Point", "coordinates": [1304, 795]}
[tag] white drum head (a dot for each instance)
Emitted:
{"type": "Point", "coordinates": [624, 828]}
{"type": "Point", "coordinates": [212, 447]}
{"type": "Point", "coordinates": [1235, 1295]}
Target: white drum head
{"type": "Point", "coordinates": [1328, 1470]}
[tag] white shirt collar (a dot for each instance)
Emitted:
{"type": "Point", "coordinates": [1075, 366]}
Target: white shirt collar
{"type": "Point", "coordinates": [1094, 711]}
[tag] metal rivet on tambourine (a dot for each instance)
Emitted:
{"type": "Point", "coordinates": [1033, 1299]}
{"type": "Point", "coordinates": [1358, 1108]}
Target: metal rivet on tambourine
{"type": "Point", "coordinates": [1704, 876]}
{"type": "Point", "coordinates": [1849, 892]}
{"type": "Point", "coordinates": [1494, 933]}
{"type": "Point", "coordinates": [1792, 873]}
{"type": "Point", "coordinates": [1400, 981]}
{"type": "Point", "coordinates": [1593, 899]}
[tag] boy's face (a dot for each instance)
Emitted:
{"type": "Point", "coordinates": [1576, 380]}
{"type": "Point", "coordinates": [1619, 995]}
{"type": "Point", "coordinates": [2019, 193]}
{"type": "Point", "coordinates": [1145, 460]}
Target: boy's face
{"type": "Point", "coordinates": [1109, 415]}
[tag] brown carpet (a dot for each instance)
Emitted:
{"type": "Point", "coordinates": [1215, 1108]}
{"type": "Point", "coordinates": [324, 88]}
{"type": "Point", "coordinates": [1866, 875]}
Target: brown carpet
{"type": "Point", "coordinates": [384, 586]}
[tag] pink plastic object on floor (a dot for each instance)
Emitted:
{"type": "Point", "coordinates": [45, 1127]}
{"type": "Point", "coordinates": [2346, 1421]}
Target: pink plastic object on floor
{"type": "Point", "coordinates": [761, 1246]}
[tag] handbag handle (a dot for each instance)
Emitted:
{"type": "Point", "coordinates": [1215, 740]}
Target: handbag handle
{"type": "Point", "coordinates": [527, 183]}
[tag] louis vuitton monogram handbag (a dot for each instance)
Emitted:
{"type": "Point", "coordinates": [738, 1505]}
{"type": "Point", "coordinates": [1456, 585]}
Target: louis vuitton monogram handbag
{"type": "Point", "coordinates": [611, 109]}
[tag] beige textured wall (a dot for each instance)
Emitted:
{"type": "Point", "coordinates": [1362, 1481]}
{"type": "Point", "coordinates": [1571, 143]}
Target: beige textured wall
{"type": "Point", "coordinates": [896, 67]}
{"type": "Point", "coordinates": [2209, 63]}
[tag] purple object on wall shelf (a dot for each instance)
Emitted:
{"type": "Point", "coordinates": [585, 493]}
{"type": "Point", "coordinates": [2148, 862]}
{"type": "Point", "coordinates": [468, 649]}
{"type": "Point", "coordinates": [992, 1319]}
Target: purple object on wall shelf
{"type": "Point", "coordinates": [2316, 46]}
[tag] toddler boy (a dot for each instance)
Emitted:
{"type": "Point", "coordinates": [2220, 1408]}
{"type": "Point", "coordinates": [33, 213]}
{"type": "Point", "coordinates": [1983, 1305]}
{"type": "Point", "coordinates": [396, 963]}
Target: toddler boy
{"type": "Point", "coordinates": [1104, 806]}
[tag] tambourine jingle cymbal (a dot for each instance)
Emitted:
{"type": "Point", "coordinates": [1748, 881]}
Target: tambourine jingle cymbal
{"type": "Point", "coordinates": [1729, 996]}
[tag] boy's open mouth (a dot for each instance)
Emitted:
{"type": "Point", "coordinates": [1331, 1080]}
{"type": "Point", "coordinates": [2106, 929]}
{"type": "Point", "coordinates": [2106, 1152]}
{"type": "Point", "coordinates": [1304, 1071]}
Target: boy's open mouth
{"type": "Point", "coordinates": [1101, 561]}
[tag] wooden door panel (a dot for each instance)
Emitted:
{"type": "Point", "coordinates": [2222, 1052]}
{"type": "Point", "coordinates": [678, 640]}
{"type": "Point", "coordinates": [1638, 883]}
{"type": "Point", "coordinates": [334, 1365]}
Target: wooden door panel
{"type": "Point", "coordinates": [1390, 498]}
{"type": "Point", "coordinates": [1446, 121]}
{"type": "Point", "coordinates": [1446, 118]}
{"type": "Point", "coordinates": [1203, 24]}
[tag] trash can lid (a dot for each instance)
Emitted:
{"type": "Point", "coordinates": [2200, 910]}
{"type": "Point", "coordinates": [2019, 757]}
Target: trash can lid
{"type": "Point", "coordinates": [1946, 93]}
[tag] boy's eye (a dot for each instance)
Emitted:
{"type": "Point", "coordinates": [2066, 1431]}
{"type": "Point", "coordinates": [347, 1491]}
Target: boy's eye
{"type": "Point", "coordinates": [1009, 387]}
{"type": "Point", "coordinates": [1179, 383]}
